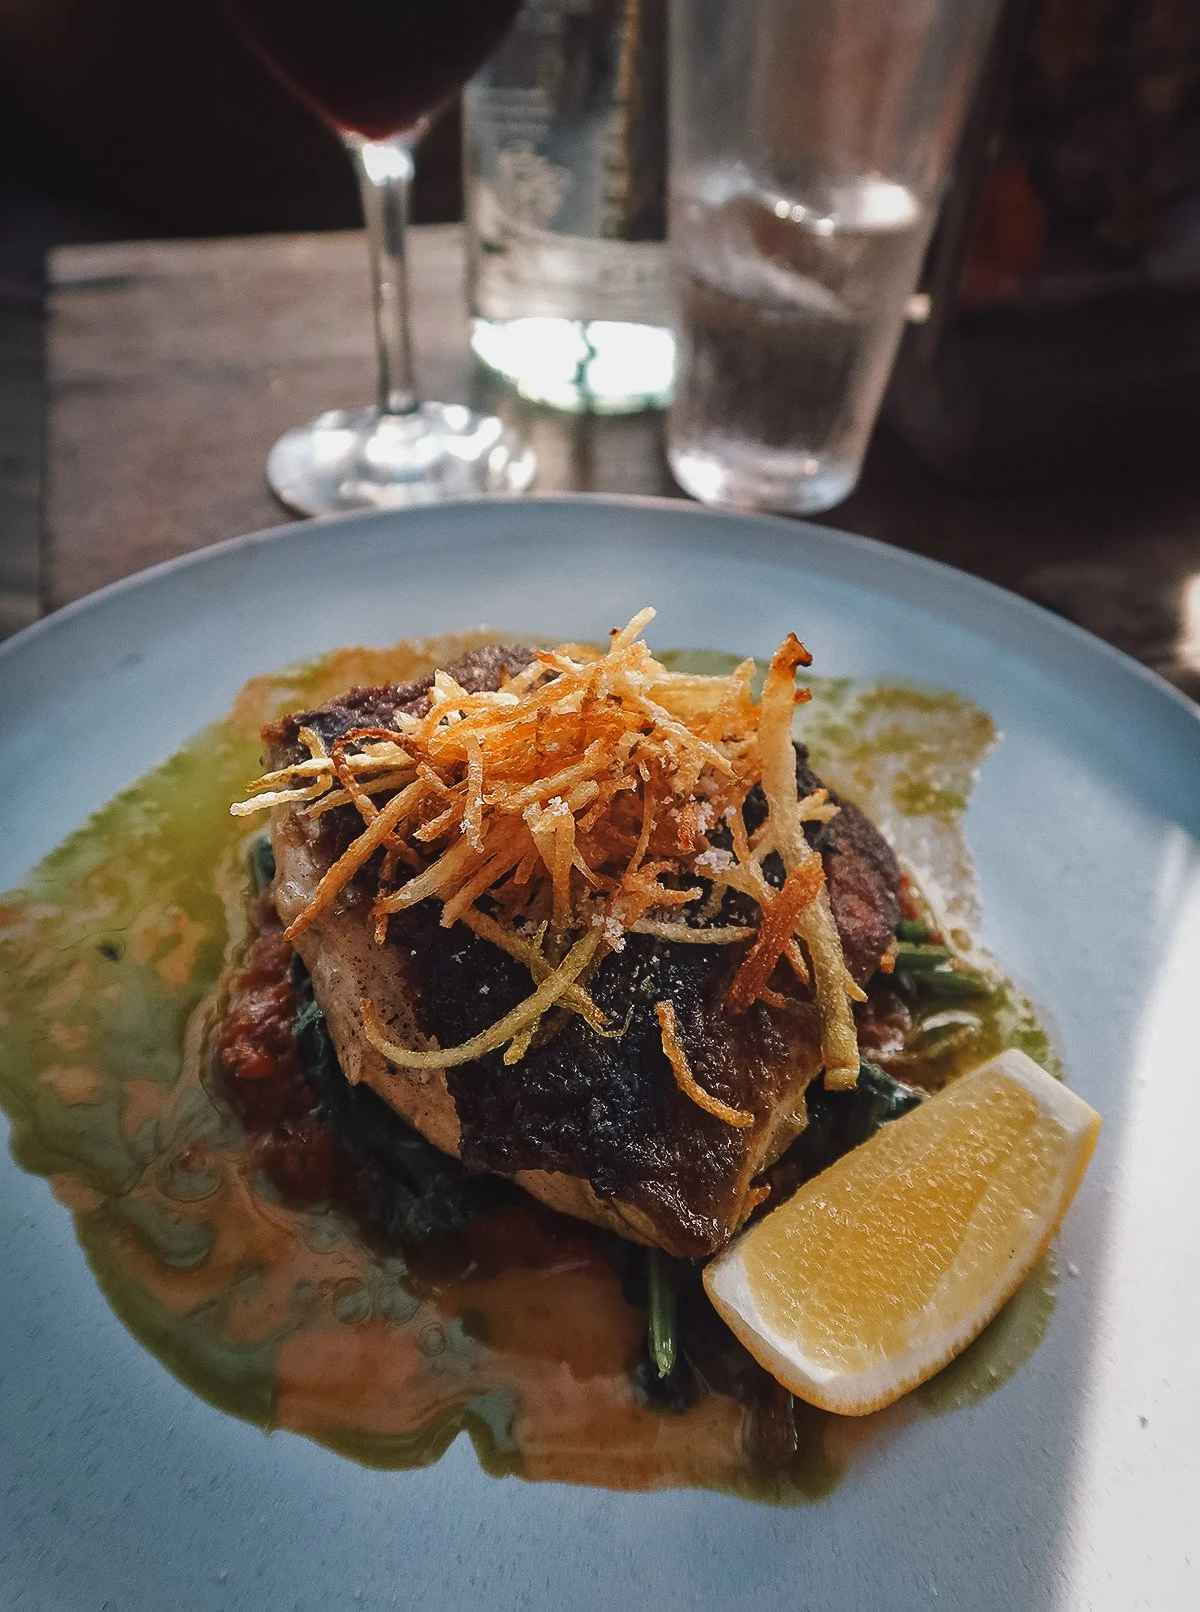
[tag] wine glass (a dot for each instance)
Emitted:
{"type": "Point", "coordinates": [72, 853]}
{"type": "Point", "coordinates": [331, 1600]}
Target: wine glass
{"type": "Point", "coordinates": [376, 70]}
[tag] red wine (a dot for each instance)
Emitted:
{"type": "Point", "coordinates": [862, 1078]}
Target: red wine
{"type": "Point", "coordinates": [373, 67]}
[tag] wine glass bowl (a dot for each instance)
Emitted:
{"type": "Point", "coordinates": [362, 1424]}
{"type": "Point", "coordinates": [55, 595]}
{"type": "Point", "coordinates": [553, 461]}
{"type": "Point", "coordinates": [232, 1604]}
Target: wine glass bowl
{"type": "Point", "coordinates": [375, 71]}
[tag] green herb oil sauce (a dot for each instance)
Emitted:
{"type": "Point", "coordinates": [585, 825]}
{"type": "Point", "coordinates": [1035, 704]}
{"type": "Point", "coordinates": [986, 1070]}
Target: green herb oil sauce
{"type": "Point", "coordinates": [113, 955]}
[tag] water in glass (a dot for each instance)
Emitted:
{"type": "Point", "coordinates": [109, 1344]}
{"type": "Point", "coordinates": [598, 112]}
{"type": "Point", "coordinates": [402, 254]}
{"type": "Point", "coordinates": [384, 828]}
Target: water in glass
{"type": "Point", "coordinates": [790, 309]}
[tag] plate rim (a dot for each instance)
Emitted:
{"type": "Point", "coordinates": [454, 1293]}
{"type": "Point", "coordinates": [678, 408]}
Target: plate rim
{"type": "Point", "coordinates": [890, 554]}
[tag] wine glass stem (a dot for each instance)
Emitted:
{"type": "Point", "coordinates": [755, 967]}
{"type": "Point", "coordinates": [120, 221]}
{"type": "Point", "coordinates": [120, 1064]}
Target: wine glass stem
{"type": "Point", "coordinates": [385, 170]}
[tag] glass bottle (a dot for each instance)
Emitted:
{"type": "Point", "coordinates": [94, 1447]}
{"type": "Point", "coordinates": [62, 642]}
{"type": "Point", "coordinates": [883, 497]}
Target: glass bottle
{"type": "Point", "coordinates": [564, 153]}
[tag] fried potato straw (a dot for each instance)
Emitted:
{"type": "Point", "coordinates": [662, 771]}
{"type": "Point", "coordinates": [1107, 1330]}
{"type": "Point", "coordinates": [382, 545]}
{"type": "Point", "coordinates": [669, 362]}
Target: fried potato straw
{"type": "Point", "coordinates": [739, 1118]}
{"type": "Point", "coordinates": [834, 988]}
{"type": "Point", "coordinates": [572, 806]}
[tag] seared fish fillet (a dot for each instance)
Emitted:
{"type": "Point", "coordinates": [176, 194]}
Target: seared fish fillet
{"type": "Point", "coordinates": [593, 1126]}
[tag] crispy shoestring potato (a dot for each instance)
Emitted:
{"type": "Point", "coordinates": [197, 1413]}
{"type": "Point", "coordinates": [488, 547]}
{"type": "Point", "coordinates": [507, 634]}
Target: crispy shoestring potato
{"type": "Point", "coordinates": [575, 805]}
{"type": "Point", "coordinates": [525, 1013]}
{"type": "Point", "coordinates": [775, 931]}
{"type": "Point", "coordinates": [740, 1118]}
{"type": "Point", "coordinates": [835, 990]}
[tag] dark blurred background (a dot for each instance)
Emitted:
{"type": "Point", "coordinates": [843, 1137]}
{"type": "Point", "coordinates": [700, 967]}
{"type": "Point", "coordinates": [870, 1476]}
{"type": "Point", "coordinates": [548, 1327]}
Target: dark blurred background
{"type": "Point", "coordinates": [148, 118]}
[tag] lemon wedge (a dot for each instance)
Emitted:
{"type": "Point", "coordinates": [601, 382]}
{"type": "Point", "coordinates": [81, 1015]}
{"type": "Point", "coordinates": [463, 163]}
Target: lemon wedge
{"type": "Point", "coordinates": [886, 1265]}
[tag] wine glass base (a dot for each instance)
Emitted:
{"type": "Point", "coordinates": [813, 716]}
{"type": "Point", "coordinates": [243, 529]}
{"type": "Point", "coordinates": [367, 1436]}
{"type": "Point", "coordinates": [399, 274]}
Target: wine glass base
{"type": "Point", "coordinates": [362, 459]}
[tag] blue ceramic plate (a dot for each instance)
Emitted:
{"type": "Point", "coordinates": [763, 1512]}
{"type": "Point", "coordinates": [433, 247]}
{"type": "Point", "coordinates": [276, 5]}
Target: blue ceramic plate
{"type": "Point", "coordinates": [1073, 1486]}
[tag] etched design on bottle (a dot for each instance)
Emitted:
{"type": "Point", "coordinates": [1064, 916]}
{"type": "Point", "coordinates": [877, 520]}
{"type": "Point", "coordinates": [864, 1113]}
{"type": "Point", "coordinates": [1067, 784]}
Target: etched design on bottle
{"type": "Point", "coordinates": [528, 190]}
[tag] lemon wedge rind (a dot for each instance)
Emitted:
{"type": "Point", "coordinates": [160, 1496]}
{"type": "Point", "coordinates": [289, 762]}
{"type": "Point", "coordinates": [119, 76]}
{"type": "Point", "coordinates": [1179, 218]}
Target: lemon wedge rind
{"type": "Point", "coordinates": [960, 1283]}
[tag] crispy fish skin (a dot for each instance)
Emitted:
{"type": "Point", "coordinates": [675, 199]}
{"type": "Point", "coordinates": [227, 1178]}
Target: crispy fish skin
{"type": "Point", "coordinates": [594, 1127]}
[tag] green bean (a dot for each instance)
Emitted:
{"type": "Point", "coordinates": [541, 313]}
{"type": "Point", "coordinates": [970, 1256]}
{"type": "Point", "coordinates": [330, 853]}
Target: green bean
{"type": "Point", "coordinates": [920, 959]}
{"type": "Point", "coordinates": [951, 984]}
{"type": "Point", "coordinates": [663, 1312]}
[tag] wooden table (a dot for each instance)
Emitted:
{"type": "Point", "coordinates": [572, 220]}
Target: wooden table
{"type": "Point", "coordinates": [172, 367]}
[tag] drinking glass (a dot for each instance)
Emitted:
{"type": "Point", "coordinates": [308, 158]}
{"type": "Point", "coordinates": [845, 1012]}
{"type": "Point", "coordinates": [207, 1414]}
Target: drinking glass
{"type": "Point", "coordinates": [809, 143]}
{"type": "Point", "coordinates": [376, 70]}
